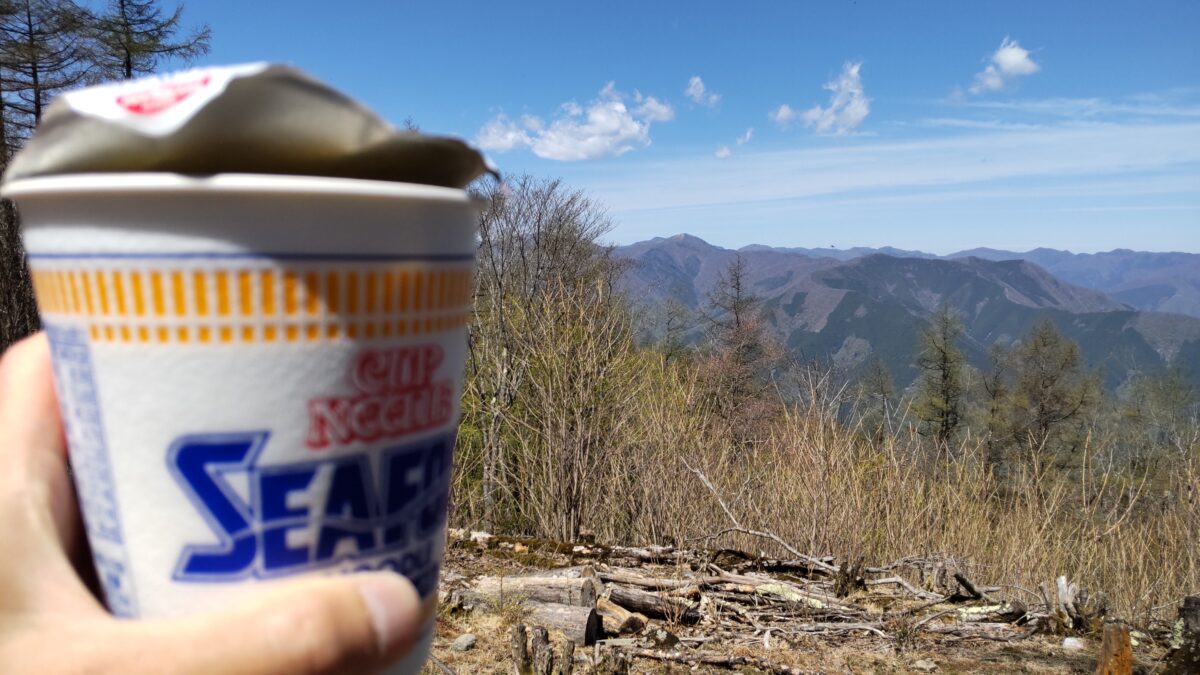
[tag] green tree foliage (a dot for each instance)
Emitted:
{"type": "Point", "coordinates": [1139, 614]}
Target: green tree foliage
{"type": "Point", "coordinates": [1048, 395]}
{"type": "Point", "coordinates": [941, 384]}
{"type": "Point", "coordinates": [134, 36]}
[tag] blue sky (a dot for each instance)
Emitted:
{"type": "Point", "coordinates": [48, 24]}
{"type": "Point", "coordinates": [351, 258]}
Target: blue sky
{"type": "Point", "coordinates": [931, 125]}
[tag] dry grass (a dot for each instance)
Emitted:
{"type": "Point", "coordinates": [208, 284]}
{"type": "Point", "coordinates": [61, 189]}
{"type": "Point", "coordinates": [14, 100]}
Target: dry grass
{"type": "Point", "coordinates": [832, 489]}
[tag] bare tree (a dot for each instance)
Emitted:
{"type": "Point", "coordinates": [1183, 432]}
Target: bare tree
{"type": "Point", "coordinates": [743, 360]}
{"type": "Point", "coordinates": [879, 391]}
{"type": "Point", "coordinates": [539, 257]}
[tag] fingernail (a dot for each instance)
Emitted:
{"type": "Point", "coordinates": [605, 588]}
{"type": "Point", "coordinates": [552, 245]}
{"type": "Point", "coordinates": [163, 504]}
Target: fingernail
{"type": "Point", "coordinates": [394, 607]}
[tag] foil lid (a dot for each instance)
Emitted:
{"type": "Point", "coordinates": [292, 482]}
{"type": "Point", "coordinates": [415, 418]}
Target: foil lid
{"type": "Point", "coordinates": [255, 118]}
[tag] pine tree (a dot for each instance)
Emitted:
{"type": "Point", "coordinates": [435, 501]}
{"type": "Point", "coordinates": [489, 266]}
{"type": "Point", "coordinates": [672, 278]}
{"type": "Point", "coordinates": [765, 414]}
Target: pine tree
{"type": "Point", "coordinates": [44, 50]}
{"type": "Point", "coordinates": [1051, 394]}
{"type": "Point", "coordinates": [942, 382]}
{"type": "Point", "coordinates": [134, 36]}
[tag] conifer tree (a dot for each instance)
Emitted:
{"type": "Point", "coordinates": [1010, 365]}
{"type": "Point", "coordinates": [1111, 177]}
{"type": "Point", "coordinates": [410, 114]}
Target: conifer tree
{"type": "Point", "coordinates": [942, 382]}
{"type": "Point", "coordinates": [134, 36]}
{"type": "Point", "coordinates": [1052, 391]}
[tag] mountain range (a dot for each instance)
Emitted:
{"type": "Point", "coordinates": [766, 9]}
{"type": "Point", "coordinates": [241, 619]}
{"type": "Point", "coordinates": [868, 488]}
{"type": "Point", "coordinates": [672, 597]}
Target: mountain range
{"type": "Point", "coordinates": [1161, 282]}
{"type": "Point", "coordinates": [848, 305]}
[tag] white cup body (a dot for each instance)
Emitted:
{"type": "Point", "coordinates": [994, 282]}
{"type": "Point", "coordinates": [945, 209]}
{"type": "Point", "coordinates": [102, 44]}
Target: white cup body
{"type": "Point", "coordinates": [259, 375]}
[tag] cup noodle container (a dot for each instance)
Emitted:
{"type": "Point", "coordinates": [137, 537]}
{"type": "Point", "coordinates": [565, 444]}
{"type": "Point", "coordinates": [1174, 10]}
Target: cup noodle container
{"type": "Point", "coordinates": [259, 375]}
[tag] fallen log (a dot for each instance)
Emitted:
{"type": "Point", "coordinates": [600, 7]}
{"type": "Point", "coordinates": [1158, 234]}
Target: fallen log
{"type": "Point", "coordinates": [617, 620]}
{"type": "Point", "coordinates": [581, 625]}
{"type": "Point", "coordinates": [579, 592]}
{"type": "Point", "coordinates": [631, 578]}
{"type": "Point", "coordinates": [653, 605]}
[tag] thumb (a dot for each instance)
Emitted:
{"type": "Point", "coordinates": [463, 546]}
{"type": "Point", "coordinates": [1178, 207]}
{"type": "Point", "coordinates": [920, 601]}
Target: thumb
{"type": "Point", "coordinates": [358, 623]}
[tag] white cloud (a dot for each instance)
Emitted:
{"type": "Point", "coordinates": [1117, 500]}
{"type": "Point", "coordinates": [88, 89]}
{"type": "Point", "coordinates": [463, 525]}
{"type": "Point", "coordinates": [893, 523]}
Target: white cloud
{"type": "Point", "coordinates": [701, 94]}
{"type": "Point", "coordinates": [501, 134]}
{"type": "Point", "coordinates": [723, 152]}
{"type": "Point", "coordinates": [745, 138]}
{"type": "Point", "coordinates": [603, 127]}
{"type": "Point", "coordinates": [783, 115]}
{"type": "Point", "coordinates": [654, 110]}
{"type": "Point", "coordinates": [848, 106]}
{"type": "Point", "coordinates": [1009, 62]}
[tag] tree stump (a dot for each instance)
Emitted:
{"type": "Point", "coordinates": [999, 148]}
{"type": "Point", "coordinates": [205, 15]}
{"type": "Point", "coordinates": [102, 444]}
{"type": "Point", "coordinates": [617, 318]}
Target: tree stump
{"type": "Point", "coordinates": [1116, 651]}
{"type": "Point", "coordinates": [566, 661]}
{"type": "Point", "coordinates": [520, 651]}
{"type": "Point", "coordinates": [543, 658]}
{"type": "Point", "coordinates": [1185, 640]}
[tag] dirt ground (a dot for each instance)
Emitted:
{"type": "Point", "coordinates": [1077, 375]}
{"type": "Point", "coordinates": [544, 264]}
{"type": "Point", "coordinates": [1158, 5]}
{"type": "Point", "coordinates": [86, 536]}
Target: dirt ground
{"type": "Point", "coordinates": [817, 653]}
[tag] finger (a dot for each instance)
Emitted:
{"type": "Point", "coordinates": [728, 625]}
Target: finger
{"type": "Point", "coordinates": [38, 515]}
{"type": "Point", "coordinates": [351, 624]}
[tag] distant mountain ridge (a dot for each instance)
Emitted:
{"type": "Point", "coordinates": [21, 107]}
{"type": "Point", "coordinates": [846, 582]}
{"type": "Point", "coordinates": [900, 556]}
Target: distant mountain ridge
{"type": "Point", "coordinates": [1161, 282]}
{"type": "Point", "coordinates": [848, 310]}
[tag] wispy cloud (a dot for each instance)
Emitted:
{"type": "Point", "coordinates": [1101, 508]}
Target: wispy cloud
{"type": "Point", "coordinates": [964, 123]}
{"type": "Point", "coordinates": [723, 152]}
{"type": "Point", "coordinates": [848, 106]}
{"type": "Point", "coordinates": [783, 115]}
{"type": "Point", "coordinates": [700, 94]}
{"type": "Point", "coordinates": [971, 159]}
{"type": "Point", "coordinates": [604, 127]}
{"type": "Point", "coordinates": [1143, 105]}
{"type": "Point", "coordinates": [1008, 62]}
{"type": "Point", "coordinates": [745, 138]}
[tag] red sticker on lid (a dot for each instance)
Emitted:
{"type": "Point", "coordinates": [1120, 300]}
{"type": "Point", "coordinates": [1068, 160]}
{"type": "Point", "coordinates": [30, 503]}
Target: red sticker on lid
{"type": "Point", "coordinates": [161, 97]}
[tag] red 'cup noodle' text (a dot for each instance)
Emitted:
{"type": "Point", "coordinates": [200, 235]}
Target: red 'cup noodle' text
{"type": "Point", "coordinates": [397, 395]}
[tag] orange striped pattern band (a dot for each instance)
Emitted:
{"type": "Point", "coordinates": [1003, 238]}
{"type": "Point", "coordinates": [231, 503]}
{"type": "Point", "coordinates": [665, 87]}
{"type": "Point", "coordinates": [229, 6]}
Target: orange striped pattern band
{"type": "Point", "coordinates": [255, 303]}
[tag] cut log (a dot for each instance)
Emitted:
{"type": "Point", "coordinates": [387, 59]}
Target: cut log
{"type": "Point", "coordinates": [617, 620]}
{"type": "Point", "coordinates": [655, 606]}
{"type": "Point", "coordinates": [631, 578]}
{"type": "Point", "coordinates": [578, 624]}
{"type": "Point", "coordinates": [1116, 652]}
{"type": "Point", "coordinates": [579, 592]}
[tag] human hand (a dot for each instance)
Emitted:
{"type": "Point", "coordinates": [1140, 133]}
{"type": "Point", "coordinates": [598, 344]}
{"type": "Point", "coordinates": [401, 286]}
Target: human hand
{"type": "Point", "coordinates": [51, 623]}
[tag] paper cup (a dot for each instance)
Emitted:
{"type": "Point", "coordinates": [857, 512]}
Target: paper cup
{"type": "Point", "coordinates": [259, 375]}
